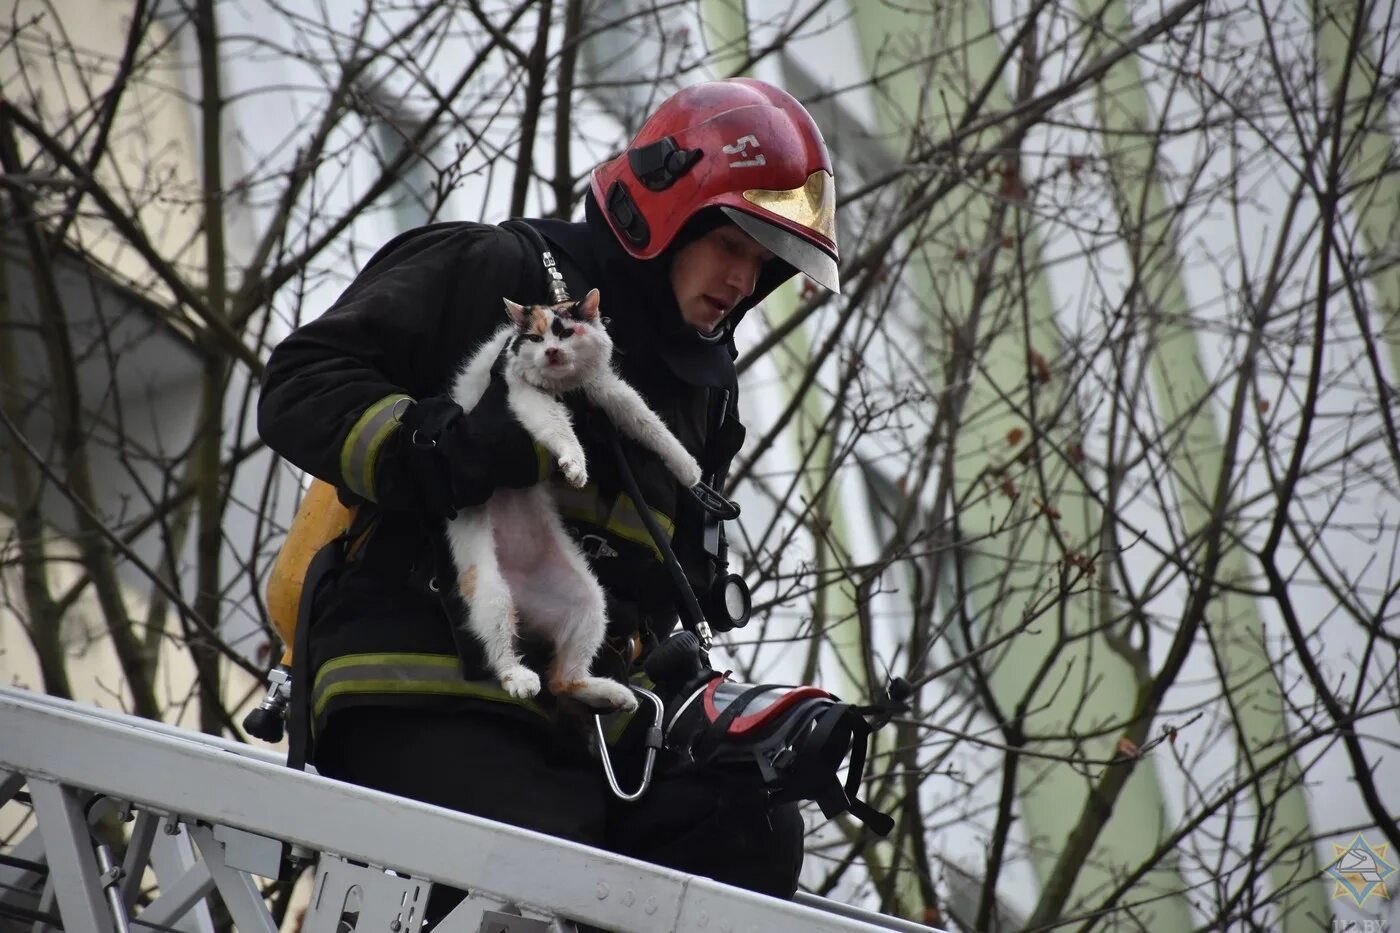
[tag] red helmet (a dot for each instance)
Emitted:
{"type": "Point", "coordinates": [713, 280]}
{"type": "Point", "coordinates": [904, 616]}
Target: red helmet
{"type": "Point", "coordinates": [741, 145]}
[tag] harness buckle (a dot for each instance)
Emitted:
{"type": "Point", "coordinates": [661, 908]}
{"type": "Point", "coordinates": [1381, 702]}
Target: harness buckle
{"type": "Point", "coordinates": [715, 503]}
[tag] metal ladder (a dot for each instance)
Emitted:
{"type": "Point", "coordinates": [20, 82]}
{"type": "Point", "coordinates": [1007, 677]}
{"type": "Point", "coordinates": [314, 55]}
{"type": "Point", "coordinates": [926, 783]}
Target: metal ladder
{"type": "Point", "coordinates": [200, 816]}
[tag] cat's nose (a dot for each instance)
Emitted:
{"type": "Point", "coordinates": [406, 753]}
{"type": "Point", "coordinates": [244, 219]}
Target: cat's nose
{"type": "Point", "coordinates": [554, 354]}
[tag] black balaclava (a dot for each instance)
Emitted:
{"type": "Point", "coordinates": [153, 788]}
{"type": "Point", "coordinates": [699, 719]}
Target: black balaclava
{"type": "Point", "coordinates": [650, 321]}
{"type": "Point", "coordinates": [693, 357]}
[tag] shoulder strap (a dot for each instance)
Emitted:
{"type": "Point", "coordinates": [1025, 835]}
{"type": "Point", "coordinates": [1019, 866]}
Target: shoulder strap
{"type": "Point", "coordinates": [326, 561]}
{"type": "Point", "coordinates": [300, 727]}
{"type": "Point", "coordinates": [558, 291]}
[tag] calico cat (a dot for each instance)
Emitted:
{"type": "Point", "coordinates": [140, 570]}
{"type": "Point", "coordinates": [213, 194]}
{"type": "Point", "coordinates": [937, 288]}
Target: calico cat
{"type": "Point", "coordinates": [517, 565]}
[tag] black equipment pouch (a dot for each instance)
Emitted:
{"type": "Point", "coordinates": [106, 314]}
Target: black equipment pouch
{"type": "Point", "coordinates": [796, 737]}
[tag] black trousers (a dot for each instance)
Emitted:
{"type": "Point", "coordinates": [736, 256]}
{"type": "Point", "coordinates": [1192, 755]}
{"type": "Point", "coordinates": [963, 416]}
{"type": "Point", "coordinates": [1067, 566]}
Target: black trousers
{"type": "Point", "coordinates": [714, 824]}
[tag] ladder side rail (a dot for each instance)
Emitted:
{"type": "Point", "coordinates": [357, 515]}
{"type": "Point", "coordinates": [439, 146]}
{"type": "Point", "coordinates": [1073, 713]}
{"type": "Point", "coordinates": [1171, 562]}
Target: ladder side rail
{"type": "Point", "coordinates": [884, 921]}
{"type": "Point", "coordinates": [196, 782]}
{"type": "Point", "coordinates": [168, 771]}
{"type": "Point", "coordinates": [125, 720]}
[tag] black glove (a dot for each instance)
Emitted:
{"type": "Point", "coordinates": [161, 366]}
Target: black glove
{"type": "Point", "coordinates": [443, 459]}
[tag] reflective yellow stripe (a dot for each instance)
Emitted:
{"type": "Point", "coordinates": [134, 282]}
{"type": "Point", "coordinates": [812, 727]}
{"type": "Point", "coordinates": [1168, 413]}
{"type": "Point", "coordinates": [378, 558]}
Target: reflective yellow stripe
{"type": "Point", "coordinates": [626, 522]}
{"type": "Point", "coordinates": [361, 448]}
{"type": "Point", "coordinates": [408, 659]}
{"type": "Point", "coordinates": [617, 516]}
{"type": "Point", "coordinates": [404, 674]}
{"type": "Point", "coordinates": [482, 690]}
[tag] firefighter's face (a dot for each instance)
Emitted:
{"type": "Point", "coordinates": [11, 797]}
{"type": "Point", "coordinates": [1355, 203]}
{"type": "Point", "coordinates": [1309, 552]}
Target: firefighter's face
{"type": "Point", "coordinates": [713, 273]}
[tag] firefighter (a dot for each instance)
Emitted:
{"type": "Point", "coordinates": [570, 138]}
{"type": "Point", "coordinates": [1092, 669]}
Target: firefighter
{"type": "Point", "coordinates": [725, 193]}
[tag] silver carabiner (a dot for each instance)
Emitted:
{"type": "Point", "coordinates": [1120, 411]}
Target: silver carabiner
{"type": "Point", "coordinates": [654, 743]}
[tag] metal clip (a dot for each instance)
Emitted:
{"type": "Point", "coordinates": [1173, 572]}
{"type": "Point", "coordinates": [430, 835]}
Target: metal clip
{"type": "Point", "coordinates": [596, 547]}
{"type": "Point", "coordinates": [558, 291]}
{"type": "Point", "coordinates": [655, 742]}
{"type": "Point", "coordinates": [714, 503]}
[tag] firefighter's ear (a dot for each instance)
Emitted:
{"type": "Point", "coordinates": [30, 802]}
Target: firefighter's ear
{"type": "Point", "coordinates": [516, 312]}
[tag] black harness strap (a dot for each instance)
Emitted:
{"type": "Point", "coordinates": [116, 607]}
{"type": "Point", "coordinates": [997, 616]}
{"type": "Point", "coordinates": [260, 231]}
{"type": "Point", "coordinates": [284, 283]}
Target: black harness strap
{"type": "Point", "coordinates": [558, 289]}
{"type": "Point", "coordinates": [328, 560]}
{"type": "Point", "coordinates": [300, 743]}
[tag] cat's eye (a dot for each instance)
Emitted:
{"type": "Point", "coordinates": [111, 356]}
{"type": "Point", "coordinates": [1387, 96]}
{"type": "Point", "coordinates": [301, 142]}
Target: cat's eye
{"type": "Point", "coordinates": [534, 338]}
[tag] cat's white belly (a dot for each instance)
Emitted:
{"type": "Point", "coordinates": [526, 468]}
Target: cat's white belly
{"type": "Point", "coordinates": [521, 529]}
{"type": "Point", "coordinates": [530, 543]}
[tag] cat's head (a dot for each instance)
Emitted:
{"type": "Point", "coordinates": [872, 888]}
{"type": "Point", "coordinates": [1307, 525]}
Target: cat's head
{"type": "Point", "coordinates": [558, 347]}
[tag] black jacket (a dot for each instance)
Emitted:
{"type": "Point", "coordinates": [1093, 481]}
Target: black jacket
{"type": "Point", "coordinates": [419, 308]}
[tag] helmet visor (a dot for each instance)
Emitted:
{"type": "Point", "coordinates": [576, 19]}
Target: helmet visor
{"type": "Point", "coordinates": [812, 206]}
{"type": "Point", "coordinates": [801, 254]}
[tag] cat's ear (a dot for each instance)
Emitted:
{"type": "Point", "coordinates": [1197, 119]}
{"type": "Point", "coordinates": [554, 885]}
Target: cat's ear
{"type": "Point", "coordinates": [588, 307]}
{"type": "Point", "coordinates": [516, 312]}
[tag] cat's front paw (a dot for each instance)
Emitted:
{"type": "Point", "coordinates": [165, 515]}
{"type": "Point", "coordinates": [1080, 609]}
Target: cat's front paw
{"type": "Point", "coordinates": [574, 470]}
{"type": "Point", "coordinates": [521, 682]}
{"type": "Point", "coordinates": [687, 471]}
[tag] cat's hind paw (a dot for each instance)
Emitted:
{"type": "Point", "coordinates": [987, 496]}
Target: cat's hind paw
{"type": "Point", "coordinates": [572, 466]}
{"type": "Point", "coordinates": [521, 682]}
{"type": "Point", "coordinates": [600, 693]}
